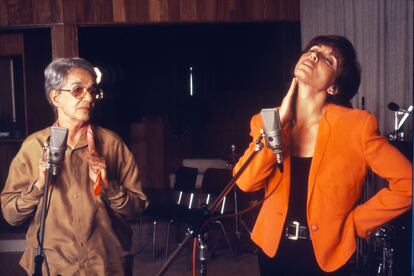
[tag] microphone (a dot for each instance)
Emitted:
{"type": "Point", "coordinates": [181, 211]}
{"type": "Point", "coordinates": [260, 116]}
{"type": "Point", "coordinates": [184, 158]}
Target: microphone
{"type": "Point", "coordinates": [273, 133]}
{"type": "Point", "coordinates": [57, 146]}
{"type": "Point", "coordinates": [395, 107]}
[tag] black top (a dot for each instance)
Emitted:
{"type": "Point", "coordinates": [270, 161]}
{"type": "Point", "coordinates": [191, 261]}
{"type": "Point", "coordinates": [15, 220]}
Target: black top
{"type": "Point", "coordinates": [299, 175]}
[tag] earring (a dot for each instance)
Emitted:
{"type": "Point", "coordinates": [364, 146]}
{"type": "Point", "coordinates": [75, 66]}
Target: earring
{"type": "Point", "coordinates": [332, 90]}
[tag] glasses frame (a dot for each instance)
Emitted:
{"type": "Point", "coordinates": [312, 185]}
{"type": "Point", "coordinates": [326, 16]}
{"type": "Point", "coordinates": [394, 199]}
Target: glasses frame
{"type": "Point", "coordinates": [95, 96]}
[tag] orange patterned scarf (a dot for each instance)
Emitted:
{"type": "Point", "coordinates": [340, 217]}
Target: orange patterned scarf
{"type": "Point", "coordinates": [92, 149]}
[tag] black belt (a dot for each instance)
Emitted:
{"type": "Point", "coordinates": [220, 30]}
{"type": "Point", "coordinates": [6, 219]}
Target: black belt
{"type": "Point", "coordinates": [294, 231]}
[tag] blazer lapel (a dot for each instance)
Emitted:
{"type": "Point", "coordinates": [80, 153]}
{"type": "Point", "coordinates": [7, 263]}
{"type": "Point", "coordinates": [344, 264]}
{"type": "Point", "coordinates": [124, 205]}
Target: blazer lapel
{"type": "Point", "coordinates": [318, 155]}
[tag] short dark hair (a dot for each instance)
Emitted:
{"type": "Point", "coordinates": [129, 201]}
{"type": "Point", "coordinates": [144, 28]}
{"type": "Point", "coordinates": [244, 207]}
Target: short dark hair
{"type": "Point", "coordinates": [349, 69]}
{"type": "Point", "coordinates": [57, 70]}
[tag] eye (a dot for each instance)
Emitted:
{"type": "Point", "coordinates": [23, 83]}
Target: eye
{"type": "Point", "coordinates": [328, 61]}
{"type": "Point", "coordinates": [77, 91]}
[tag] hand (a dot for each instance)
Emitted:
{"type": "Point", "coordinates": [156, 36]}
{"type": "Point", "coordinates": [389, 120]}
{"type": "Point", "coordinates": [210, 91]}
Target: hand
{"type": "Point", "coordinates": [97, 164]}
{"type": "Point", "coordinates": [286, 108]}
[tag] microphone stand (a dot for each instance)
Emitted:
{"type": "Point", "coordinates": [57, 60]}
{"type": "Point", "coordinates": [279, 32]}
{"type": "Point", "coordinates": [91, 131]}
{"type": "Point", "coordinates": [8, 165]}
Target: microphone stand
{"type": "Point", "coordinates": [38, 260]}
{"type": "Point", "coordinates": [208, 211]}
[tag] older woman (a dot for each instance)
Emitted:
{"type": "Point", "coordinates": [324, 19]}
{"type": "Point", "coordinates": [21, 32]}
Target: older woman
{"type": "Point", "coordinates": [309, 223]}
{"type": "Point", "coordinates": [95, 191]}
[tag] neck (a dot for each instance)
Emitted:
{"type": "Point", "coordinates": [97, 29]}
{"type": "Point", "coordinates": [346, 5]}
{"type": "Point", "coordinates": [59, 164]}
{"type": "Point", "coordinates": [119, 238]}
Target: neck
{"type": "Point", "coordinates": [310, 105]}
{"type": "Point", "coordinates": [77, 130]}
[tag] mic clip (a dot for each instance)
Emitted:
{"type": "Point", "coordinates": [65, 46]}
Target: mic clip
{"type": "Point", "coordinates": [276, 149]}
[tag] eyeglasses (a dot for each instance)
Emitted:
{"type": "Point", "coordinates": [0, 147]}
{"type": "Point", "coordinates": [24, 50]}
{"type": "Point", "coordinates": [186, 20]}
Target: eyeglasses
{"type": "Point", "coordinates": [79, 92]}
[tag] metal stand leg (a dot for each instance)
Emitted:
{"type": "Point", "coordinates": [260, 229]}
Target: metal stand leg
{"type": "Point", "coordinates": [168, 238]}
{"type": "Point", "coordinates": [202, 255]}
{"type": "Point", "coordinates": [226, 237]}
{"type": "Point", "coordinates": [154, 240]}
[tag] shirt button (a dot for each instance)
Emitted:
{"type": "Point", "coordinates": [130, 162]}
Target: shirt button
{"type": "Point", "coordinates": [75, 195]}
{"type": "Point", "coordinates": [315, 228]}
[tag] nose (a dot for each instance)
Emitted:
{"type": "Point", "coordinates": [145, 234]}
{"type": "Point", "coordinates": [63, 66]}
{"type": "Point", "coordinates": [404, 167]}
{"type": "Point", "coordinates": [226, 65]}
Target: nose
{"type": "Point", "coordinates": [314, 56]}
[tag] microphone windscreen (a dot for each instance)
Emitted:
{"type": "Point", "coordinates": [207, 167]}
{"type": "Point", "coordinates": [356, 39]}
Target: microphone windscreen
{"type": "Point", "coordinates": [270, 119]}
{"type": "Point", "coordinates": [272, 126]}
{"type": "Point", "coordinates": [393, 106]}
{"type": "Point", "coordinates": [58, 141]}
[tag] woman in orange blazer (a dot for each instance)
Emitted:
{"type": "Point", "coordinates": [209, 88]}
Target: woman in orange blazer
{"type": "Point", "coordinates": [310, 220]}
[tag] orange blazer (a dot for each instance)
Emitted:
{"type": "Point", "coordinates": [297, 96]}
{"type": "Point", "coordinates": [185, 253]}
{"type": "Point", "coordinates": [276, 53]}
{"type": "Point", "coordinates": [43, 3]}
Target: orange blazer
{"type": "Point", "coordinates": [348, 144]}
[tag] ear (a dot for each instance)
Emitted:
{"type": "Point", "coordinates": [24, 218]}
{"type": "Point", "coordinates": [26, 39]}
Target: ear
{"type": "Point", "coordinates": [55, 98]}
{"type": "Point", "coordinates": [333, 90]}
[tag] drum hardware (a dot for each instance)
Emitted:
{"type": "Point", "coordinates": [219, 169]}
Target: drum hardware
{"type": "Point", "coordinates": [383, 236]}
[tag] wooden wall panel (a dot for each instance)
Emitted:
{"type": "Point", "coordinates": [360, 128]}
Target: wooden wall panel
{"type": "Point", "coordinates": [20, 12]}
{"type": "Point", "coordinates": [118, 11]}
{"type": "Point", "coordinates": [3, 13]}
{"type": "Point", "coordinates": [188, 10]}
{"type": "Point", "coordinates": [207, 11]}
{"type": "Point", "coordinates": [41, 11]}
{"type": "Point", "coordinates": [11, 44]}
{"type": "Point", "coordinates": [32, 12]}
{"type": "Point", "coordinates": [64, 41]}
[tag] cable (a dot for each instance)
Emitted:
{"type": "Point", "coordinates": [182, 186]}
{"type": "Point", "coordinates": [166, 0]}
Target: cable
{"type": "Point", "coordinates": [194, 256]}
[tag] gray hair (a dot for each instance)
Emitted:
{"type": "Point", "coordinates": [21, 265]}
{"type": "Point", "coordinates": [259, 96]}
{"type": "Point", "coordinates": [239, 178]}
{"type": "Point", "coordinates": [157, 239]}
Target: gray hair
{"type": "Point", "coordinates": [57, 71]}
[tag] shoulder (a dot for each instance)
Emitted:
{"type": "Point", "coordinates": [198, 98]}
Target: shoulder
{"type": "Point", "coordinates": [108, 140]}
{"type": "Point", "coordinates": [106, 135]}
{"type": "Point", "coordinates": [347, 121]}
{"type": "Point", "coordinates": [37, 138]}
{"type": "Point", "coordinates": [345, 114]}
{"type": "Point", "coordinates": [32, 146]}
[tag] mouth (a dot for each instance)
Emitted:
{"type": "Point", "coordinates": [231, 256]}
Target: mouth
{"type": "Point", "coordinates": [86, 109]}
{"type": "Point", "coordinates": [307, 63]}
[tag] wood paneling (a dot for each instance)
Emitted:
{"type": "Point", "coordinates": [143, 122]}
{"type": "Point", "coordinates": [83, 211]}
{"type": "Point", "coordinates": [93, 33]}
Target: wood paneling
{"type": "Point", "coordinates": [11, 44]}
{"type": "Point", "coordinates": [50, 12]}
{"type": "Point", "coordinates": [64, 41]}
{"type": "Point", "coordinates": [19, 12]}
{"type": "Point", "coordinates": [118, 11]}
{"type": "Point", "coordinates": [42, 11]}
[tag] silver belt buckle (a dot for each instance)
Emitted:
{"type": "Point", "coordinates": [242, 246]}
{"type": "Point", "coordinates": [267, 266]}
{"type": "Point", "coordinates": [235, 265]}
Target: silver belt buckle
{"type": "Point", "coordinates": [296, 236]}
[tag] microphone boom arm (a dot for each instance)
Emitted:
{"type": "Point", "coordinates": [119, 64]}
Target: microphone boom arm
{"type": "Point", "coordinates": [213, 207]}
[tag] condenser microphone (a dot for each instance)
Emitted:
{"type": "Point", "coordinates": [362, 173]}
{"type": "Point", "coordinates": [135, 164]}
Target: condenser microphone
{"type": "Point", "coordinates": [273, 133]}
{"type": "Point", "coordinates": [57, 146]}
{"type": "Point", "coordinates": [395, 107]}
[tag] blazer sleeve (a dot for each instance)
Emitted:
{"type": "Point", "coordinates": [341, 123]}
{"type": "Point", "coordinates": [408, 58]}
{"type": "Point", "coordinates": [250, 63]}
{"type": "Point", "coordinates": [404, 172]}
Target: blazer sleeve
{"type": "Point", "coordinates": [390, 164]}
{"type": "Point", "coordinates": [262, 165]}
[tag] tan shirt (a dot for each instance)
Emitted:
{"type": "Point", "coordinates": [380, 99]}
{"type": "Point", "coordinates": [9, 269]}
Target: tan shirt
{"type": "Point", "coordinates": [84, 234]}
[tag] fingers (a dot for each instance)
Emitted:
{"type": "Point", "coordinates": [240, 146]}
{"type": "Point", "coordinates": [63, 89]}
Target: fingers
{"type": "Point", "coordinates": [293, 86]}
{"type": "Point", "coordinates": [42, 174]}
{"type": "Point", "coordinates": [286, 108]}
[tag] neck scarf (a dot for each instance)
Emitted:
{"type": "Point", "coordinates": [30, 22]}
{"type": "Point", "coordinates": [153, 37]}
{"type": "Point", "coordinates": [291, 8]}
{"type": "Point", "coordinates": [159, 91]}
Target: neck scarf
{"type": "Point", "coordinates": [90, 138]}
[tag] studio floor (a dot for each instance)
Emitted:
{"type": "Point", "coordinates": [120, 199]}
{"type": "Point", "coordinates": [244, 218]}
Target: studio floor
{"type": "Point", "coordinates": [220, 262]}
